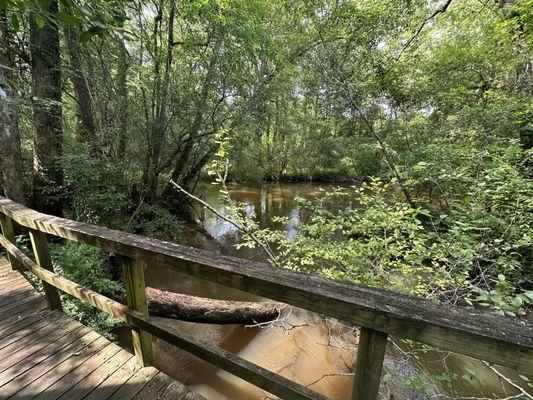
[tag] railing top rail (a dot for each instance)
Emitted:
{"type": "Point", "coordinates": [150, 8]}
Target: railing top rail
{"type": "Point", "coordinates": [475, 333]}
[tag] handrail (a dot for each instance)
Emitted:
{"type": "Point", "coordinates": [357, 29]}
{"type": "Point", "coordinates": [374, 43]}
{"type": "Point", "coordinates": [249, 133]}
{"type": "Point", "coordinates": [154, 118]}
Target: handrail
{"type": "Point", "coordinates": [475, 333]}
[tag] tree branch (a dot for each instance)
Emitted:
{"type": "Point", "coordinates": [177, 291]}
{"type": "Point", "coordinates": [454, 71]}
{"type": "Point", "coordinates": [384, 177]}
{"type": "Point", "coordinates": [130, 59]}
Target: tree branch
{"type": "Point", "coordinates": [229, 220]}
{"type": "Point", "coordinates": [438, 11]}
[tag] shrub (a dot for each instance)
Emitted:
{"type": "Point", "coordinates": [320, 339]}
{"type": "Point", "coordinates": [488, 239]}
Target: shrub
{"type": "Point", "coordinates": [93, 188]}
{"type": "Point", "coordinates": [89, 267]}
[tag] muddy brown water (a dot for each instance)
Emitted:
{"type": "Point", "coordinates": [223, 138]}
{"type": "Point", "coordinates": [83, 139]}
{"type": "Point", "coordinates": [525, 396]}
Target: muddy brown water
{"type": "Point", "coordinates": [312, 350]}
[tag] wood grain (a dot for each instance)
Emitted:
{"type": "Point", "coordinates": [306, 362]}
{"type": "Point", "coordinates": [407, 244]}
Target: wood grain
{"type": "Point", "coordinates": [369, 364]}
{"type": "Point", "coordinates": [44, 260]}
{"type": "Point", "coordinates": [133, 273]}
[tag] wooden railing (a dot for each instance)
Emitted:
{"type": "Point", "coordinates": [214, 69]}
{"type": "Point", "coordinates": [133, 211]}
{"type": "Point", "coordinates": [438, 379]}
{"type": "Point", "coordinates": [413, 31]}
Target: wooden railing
{"type": "Point", "coordinates": [379, 313]}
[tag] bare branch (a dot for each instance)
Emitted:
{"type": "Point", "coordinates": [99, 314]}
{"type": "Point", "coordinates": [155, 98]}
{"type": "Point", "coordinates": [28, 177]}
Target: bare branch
{"type": "Point", "coordinates": [438, 11]}
{"type": "Point", "coordinates": [231, 221]}
{"type": "Point", "coordinates": [522, 391]}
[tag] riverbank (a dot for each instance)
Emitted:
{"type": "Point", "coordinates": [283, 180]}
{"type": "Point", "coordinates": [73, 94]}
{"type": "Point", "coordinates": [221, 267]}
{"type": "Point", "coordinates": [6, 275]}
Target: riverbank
{"type": "Point", "coordinates": [319, 176]}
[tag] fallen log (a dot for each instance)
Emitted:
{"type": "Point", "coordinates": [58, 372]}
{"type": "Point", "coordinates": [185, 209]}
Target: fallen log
{"type": "Point", "coordinates": [209, 311]}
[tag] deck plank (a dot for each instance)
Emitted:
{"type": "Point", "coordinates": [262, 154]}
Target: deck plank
{"type": "Point", "coordinates": [11, 276]}
{"type": "Point", "coordinates": [135, 384]}
{"type": "Point", "coordinates": [154, 388]}
{"type": "Point", "coordinates": [29, 298]}
{"type": "Point", "coordinates": [79, 373]}
{"type": "Point", "coordinates": [33, 373]}
{"type": "Point", "coordinates": [38, 326]}
{"type": "Point", "coordinates": [112, 383]}
{"type": "Point", "coordinates": [11, 282]}
{"type": "Point", "coordinates": [53, 375]}
{"type": "Point", "coordinates": [39, 304]}
{"type": "Point", "coordinates": [93, 380]}
{"type": "Point", "coordinates": [16, 296]}
{"type": "Point", "coordinates": [26, 346]}
{"type": "Point", "coordinates": [7, 322]}
{"type": "Point", "coordinates": [26, 357]}
{"type": "Point", "coordinates": [21, 323]}
{"type": "Point", "coordinates": [18, 286]}
{"type": "Point", "coordinates": [45, 355]}
{"type": "Point", "coordinates": [177, 391]}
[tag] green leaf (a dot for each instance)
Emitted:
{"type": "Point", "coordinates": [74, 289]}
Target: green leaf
{"type": "Point", "coordinates": [44, 4]}
{"type": "Point", "coordinates": [40, 22]}
{"type": "Point", "coordinates": [88, 34]}
{"type": "Point", "coordinates": [15, 22]}
{"type": "Point", "coordinates": [68, 19]}
{"type": "Point", "coordinates": [100, 24]}
{"type": "Point", "coordinates": [4, 4]}
{"type": "Point", "coordinates": [517, 302]}
{"type": "Point", "coordinates": [85, 11]}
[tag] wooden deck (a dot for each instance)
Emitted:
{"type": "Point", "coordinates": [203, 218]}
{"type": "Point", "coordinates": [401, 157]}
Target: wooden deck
{"type": "Point", "coordinates": [46, 355]}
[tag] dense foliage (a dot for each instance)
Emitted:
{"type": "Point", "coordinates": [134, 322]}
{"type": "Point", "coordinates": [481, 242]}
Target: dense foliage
{"type": "Point", "coordinates": [88, 267]}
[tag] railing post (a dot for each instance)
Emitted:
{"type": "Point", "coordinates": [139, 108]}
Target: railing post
{"type": "Point", "coordinates": [43, 259]}
{"type": "Point", "coordinates": [369, 364]}
{"type": "Point", "coordinates": [136, 298]}
{"type": "Point", "coordinates": [7, 231]}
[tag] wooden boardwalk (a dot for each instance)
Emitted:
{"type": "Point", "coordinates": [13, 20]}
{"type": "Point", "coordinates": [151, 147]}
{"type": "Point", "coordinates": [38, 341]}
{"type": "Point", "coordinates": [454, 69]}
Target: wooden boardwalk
{"type": "Point", "coordinates": [46, 355]}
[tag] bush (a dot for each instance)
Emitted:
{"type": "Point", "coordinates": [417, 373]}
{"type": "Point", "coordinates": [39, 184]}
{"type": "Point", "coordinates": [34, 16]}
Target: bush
{"type": "Point", "coordinates": [89, 267]}
{"type": "Point", "coordinates": [157, 222]}
{"type": "Point", "coordinates": [93, 188]}
{"type": "Point", "coordinates": [475, 251]}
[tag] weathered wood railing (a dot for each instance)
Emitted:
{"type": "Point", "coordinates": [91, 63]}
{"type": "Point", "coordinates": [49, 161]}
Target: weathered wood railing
{"type": "Point", "coordinates": [379, 313]}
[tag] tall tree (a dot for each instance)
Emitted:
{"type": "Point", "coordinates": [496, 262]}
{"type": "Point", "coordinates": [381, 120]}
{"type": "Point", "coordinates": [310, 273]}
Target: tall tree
{"type": "Point", "coordinates": [86, 127]}
{"type": "Point", "coordinates": [160, 97]}
{"type": "Point", "coordinates": [122, 92]}
{"type": "Point", "coordinates": [9, 123]}
{"type": "Point", "coordinates": [47, 111]}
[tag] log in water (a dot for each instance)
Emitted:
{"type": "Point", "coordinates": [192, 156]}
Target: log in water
{"type": "Point", "coordinates": [209, 311]}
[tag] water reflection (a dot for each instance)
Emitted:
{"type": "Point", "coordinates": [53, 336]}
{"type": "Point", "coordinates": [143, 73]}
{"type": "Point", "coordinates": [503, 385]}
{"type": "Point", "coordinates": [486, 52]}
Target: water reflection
{"type": "Point", "coordinates": [264, 203]}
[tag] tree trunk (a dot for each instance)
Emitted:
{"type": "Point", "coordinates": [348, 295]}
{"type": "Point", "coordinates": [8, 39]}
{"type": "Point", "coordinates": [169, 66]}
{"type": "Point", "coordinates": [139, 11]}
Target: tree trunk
{"type": "Point", "coordinates": [524, 68]}
{"type": "Point", "coordinates": [192, 132]}
{"type": "Point", "coordinates": [47, 114]}
{"type": "Point", "coordinates": [9, 124]}
{"type": "Point", "coordinates": [86, 127]}
{"type": "Point", "coordinates": [209, 311]}
{"type": "Point", "coordinates": [122, 92]}
{"type": "Point", "coordinates": [159, 123]}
